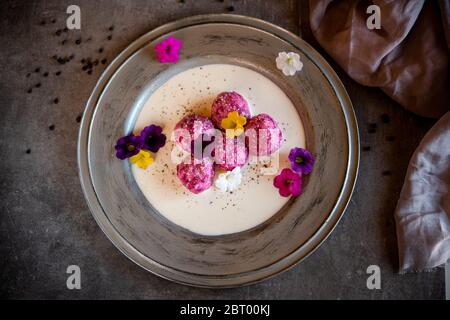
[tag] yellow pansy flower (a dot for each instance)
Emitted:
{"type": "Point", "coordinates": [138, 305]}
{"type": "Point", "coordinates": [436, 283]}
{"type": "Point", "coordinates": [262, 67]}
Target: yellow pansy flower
{"type": "Point", "coordinates": [234, 124]}
{"type": "Point", "coordinates": [143, 159]}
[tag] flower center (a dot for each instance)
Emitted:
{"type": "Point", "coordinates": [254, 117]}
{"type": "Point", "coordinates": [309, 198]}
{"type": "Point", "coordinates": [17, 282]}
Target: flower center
{"type": "Point", "coordinates": [288, 182]}
{"type": "Point", "coordinates": [234, 125]}
{"type": "Point", "coordinates": [290, 60]}
{"type": "Point", "coordinates": [130, 147]}
{"type": "Point", "coordinates": [298, 160]}
{"type": "Point", "coordinates": [149, 140]}
{"type": "Point", "coordinates": [168, 49]}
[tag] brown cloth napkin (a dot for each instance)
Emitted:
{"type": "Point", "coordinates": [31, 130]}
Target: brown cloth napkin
{"type": "Point", "coordinates": [408, 58]}
{"type": "Point", "coordinates": [423, 210]}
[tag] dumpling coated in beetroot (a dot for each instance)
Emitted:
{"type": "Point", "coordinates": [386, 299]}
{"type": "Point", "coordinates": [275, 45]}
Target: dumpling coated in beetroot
{"type": "Point", "coordinates": [227, 102]}
{"type": "Point", "coordinates": [190, 128]}
{"type": "Point", "coordinates": [231, 153]}
{"type": "Point", "coordinates": [198, 175]}
{"type": "Point", "coordinates": [263, 128]}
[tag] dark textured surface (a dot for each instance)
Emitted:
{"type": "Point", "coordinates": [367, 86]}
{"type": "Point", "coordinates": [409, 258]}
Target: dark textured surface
{"type": "Point", "coordinates": [45, 224]}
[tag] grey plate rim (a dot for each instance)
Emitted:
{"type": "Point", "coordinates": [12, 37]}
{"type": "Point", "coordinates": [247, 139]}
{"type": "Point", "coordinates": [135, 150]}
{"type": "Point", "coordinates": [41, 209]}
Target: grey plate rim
{"type": "Point", "coordinates": [240, 279]}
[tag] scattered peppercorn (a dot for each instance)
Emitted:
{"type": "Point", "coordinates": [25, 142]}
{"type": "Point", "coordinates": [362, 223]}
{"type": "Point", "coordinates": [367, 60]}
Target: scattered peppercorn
{"type": "Point", "coordinates": [45, 74]}
{"type": "Point", "coordinates": [366, 148]}
{"type": "Point", "coordinates": [78, 41]}
{"type": "Point", "coordinates": [390, 138]}
{"type": "Point", "coordinates": [385, 118]}
{"type": "Point", "coordinates": [57, 73]}
{"type": "Point", "coordinates": [230, 8]}
{"type": "Point", "coordinates": [55, 101]}
{"type": "Point", "coordinates": [103, 61]}
{"type": "Point", "coordinates": [387, 173]}
{"type": "Point", "coordinates": [28, 151]}
{"type": "Point", "coordinates": [37, 70]}
{"type": "Point", "coordinates": [51, 127]}
{"type": "Point", "coordinates": [38, 85]}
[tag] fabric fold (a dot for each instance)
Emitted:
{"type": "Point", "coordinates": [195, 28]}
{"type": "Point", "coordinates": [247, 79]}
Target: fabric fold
{"type": "Point", "coordinates": [407, 58]}
{"type": "Point", "coordinates": [423, 210]}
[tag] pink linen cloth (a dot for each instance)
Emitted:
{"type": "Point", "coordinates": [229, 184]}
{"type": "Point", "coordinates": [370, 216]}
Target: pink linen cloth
{"type": "Point", "coordinates": [408, 58]}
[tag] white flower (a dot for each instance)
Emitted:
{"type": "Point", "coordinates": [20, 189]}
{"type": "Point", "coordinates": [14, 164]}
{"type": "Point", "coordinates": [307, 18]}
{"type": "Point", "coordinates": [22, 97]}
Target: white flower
{"type": "Point", "coordinates": [289, 63]}
{"type": "Point", "coordinates": [229, 181]}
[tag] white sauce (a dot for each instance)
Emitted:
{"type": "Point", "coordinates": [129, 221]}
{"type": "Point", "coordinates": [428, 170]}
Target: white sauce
{"type": "Point", "coordinates": [213, 212]}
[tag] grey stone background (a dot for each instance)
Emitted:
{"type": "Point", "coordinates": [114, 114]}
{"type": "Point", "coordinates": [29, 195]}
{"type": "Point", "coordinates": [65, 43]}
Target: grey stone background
{"type": "Point", "coordinates": [45, 224]}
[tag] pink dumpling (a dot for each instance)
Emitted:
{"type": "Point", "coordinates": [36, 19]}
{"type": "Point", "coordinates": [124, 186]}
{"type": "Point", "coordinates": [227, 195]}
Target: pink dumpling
{"type": "Point", "coordinates": [227, 102]}
{"type": "Point", "coordinates": [231, 153]}
{"type": "Point", "coordinates": [194, 125]}
{"type": "Point", "coordinates": [255, 137]}
{"type": "Point", "coordinates": [196, 176]}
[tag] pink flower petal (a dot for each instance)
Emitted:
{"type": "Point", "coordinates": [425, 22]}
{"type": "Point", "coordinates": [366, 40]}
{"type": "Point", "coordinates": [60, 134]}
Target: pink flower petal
{"type": "Point", "coordinates": [288, 182]}
{"type": "Point", "coordinates": [168, 50]}
{"type": "Point", "coordinates": [284, 191]}
{"type": "Point", "coordinates": [296, 188]}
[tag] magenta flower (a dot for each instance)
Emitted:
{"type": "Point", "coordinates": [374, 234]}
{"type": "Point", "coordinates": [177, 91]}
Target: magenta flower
{"type": "Point", "coordinates": [168, 50]}
{"type": "Point", "coordinates": [152, 138]}
{"type": "Point", "coordinates": [288, 183]}
{"type": "Point", "coordinates": [128, 146]}
{"type": "Point", "coordinates": [302, 160]}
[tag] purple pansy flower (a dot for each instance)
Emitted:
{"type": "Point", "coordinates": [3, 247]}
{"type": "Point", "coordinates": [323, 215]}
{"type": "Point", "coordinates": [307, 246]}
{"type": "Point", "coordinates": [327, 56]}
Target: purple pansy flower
{"type": "Point", "coordinates": [302, 160]}
{"type": "Point", "coordinates": [128, 146]}
{"type": "Point", "coordinates": [152, 138]}
{"type": "Point", "coordinates": [288, 183]}
{"type": "Point", "coordinates": [168, 50]}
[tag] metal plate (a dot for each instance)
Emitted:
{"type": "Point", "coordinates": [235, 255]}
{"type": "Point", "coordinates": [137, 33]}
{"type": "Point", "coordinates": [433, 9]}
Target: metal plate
{"type": "Point", "coordinates": [169, 251]}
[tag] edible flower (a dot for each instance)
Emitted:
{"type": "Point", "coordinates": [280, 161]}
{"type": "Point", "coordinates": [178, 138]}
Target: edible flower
{"type": "Point", "coordinates": [152, 138]}
{"type": "Point", "coordinates": [143, 159]}
{"type": "Point", "coordinates": [289, 63]}
{"type": "Point", "coordinates": [168, 50]}
{"type": "Point", "coordinates": [288, 183]}
{"type": "Point", "coordinates": [128, 146]}
{"type": "Point", "coordinates": [302, 161]}
{"type": "Point", "coordinates": [229, 181]}
{"type": "Point", "coordinates": [234, 124]}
